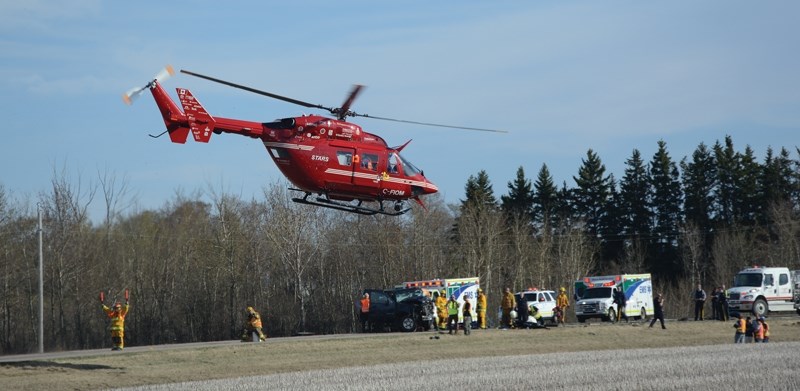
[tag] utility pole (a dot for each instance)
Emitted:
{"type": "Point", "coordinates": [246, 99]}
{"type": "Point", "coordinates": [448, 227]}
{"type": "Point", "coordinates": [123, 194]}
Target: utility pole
{"type": "Point", "coordinates": [41, 281]}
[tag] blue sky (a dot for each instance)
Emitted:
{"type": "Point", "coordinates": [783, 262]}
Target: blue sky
{"type": "Point", "coordinates": [562, 77]}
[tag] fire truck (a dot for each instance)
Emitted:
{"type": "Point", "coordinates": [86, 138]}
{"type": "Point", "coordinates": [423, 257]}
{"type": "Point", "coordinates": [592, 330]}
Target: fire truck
{"type": "Point", "coordinates": [595, 296]}
{"type": "Point", "coordinates": [466, 287]}
{"type": "Point", "coordinates": [761, 290]}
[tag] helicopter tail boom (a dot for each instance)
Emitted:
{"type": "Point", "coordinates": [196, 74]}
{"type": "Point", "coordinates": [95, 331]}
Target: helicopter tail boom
{"type": "Point", "coordinates": [173, 117]}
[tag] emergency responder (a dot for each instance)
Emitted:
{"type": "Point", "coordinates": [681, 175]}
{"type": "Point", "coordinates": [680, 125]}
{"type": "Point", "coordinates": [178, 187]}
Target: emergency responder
{"type": "Point", "coordinates": [507, 304]}
{"type": "Point", "coordinates": [452, 315]}
{"type": "Point", "coordinates": [253, 324]}
{"type": "Point", "coordinates": [723, 303]}
{"type": "Point", "coordinates": [658, 305]}
{"type": "Point", "coordinates": [466, 314]}
{"type": "Point", "coordinates": [619, 298]}
{"type": "Point", "coordinates": [562, 302]}
{"type": "Point", "coordinates": [699, 302]}
{"type": "Point", "coordinates": [741, 328]}
{"type": "Point", "coordinates": [117, 316]}
{"type": "Point", "coordinates": [534, 313]}
{"type": "Point", "coordinates": [481, 309]}
{"type": "Point", "coordinates": [748, 330]}
{"type": "Point", "coordinates": [441, 309]}
{"type": "Point", "coordinates": [364, 312]}
{"type": "Point", "coordinates": [758, 329]}
{"type": "Point", "coordinates": [764, 326]}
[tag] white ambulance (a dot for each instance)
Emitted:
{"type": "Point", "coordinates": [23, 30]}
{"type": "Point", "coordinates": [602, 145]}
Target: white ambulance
{"type": "Point", "coordinates": [595, 296]}
{"type": "Point", "coordinates": [466, 287]}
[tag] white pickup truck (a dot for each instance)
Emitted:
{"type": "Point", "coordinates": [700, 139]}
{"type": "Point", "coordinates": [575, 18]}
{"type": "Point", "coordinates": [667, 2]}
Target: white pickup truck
{"type": "Point", "coordinates": [762, 290]}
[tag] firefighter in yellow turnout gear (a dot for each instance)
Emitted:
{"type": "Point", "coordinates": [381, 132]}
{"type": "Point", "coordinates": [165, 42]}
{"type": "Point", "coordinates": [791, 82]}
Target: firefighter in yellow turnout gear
{"type": "Point", "coordinates": [253, 324]}
{"type": "Point", "coordinates": [562, 301]}
{"type": "Point", "coordinates": [117, 315]}
{"type": "Point", "coordinates": [441, 309]}
{"type": "Point", "coordinates": [481, 309]}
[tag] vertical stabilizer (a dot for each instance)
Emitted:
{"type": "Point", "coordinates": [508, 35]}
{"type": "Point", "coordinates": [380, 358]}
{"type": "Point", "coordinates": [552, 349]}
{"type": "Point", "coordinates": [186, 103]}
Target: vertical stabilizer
{"type": "Point", "coordinates": [200, 122]}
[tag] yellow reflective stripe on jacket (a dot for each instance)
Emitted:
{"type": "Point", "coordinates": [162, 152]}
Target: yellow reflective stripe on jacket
{"type": "Point", "coordinates": [117, 320]}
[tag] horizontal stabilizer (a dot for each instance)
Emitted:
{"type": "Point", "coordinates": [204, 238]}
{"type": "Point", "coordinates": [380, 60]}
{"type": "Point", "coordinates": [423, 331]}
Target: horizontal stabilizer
{"type": "Point", "coordinates": [200, 122]}
{"type": "Point", "coordinates": [179, 135]}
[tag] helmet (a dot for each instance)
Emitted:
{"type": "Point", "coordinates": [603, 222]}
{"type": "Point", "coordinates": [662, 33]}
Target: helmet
{"type": "Point", "coordinates": [480, 290]}
{"type": "Point", "coordinates": [250, 309]}
{"type": "Point", "coordinates": [117, 305]}
{"type": "Point", "coordinates": [563, 289]}
{"type": "Point", "coordinates": [444, 292]}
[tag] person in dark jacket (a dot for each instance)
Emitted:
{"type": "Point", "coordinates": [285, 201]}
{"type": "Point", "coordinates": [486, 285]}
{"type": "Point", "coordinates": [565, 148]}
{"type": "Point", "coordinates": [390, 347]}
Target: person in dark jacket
{"type": "Point", "coordinates": [658, 305]}
{"type": "Point", "coordinates": [619, 298]}
{"type": "Point", "coordinates": [522, 312]}
{"type": "Point", "coordinates": [699, 302]}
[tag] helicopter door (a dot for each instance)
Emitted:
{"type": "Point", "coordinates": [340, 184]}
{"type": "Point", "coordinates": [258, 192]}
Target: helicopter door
{"type": "Point", "coordinates": [368, 170]}
{"type": "Point", "coordinates": [342, 172]}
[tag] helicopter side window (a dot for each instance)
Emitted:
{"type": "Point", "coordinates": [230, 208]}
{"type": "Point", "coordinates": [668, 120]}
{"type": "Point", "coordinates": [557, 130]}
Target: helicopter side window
{"type": "Point", "coordinates": [393, 164]}
{"type": "Point", "coordinates": [279, 153]}
{"type": "Point", "coordinates": [345, 158]}
{"type": "Point", "coordinates": [369, 162]}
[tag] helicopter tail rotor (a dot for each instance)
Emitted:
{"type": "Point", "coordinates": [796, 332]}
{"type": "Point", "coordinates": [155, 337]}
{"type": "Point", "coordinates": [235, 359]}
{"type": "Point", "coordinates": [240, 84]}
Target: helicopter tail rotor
{"type": "Point", "coordinates": [129, 96]}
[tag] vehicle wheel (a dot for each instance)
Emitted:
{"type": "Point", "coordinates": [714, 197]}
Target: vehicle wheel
{"type": "Point", "coordinates": [612, 315]}
{"type": "Point", "coordinates": [581, 319]}
{"type": "Point", "coordinates": [408, 324]}
{"type": "Point", "coordinates": [760, 307]}
{"type": "Point", "coordinates": [643, 314]}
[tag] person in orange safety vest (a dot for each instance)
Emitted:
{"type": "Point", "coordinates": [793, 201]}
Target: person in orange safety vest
{"type": "Point", "coordinates": [364, 312]}
{"type": "Point", "coordinates": [117, 315]}
{"type": "Point", "coordinates": [253, 324]}
{"type": "Point", "coordinates": [741, 326]}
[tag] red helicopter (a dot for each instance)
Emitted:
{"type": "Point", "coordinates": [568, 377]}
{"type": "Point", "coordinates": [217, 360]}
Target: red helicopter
{"type": "Point", "coordinates": [334, 163]}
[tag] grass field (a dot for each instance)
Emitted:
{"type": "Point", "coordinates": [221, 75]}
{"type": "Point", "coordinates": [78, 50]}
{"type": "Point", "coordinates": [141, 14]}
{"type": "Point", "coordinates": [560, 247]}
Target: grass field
{"type": "Point", "coordinates": [406, 357]}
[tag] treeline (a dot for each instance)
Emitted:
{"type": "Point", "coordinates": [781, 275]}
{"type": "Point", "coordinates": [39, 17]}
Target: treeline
{"type": "Point", "coordinates": [194, 265]}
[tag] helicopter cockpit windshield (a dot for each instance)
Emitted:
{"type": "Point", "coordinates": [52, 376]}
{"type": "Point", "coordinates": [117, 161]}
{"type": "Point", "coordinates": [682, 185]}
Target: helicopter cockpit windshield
{"type": "Point", "coordinates": [408, 168]}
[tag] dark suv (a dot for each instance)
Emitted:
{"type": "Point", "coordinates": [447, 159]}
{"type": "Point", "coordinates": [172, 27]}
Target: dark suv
{"type": "Point", "coordinates": [405, 309]}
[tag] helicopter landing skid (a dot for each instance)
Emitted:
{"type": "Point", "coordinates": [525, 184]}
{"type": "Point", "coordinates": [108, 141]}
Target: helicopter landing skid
{"type": "Point", "coordinates": [363, 210]}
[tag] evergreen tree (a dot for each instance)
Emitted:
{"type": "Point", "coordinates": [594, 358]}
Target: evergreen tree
{"type": "Point", "coordinates": [545, 198]}
{"type": "Point", "coordinates": [775, 184]}
{"type": "Point", "coordinates": [591, 196]}
{"type": "Point", "coordinates": [698, 185]}
{"type": "Point", "coordinates": [565, 211]}
{"type": "Point", "coordinates": [592, 201]}
{"type": "Point", "coordinates": [611, 225]}
{"type": "Point", "coordinates": [635, 195]}
{"type": "Point", "coordinates": [725, 191]}
{"type": "Point", "coordinates": [667, 198]}
{"type": "Point", "coordinates": [479, 193]}
{"type": "Point", "coordinates": [748, 173]}
{"type": "Point", "coordinates": [519, 201]}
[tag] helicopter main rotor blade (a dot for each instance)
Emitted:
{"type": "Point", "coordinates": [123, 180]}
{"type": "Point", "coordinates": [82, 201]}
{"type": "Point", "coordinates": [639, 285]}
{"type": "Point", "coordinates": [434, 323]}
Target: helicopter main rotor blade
{"type": "Point", "coordinates": [253, 90]}
{"type": "Point", "coordinates": [344, 111]}
{"type": "Point", "coordinates": [428, 123]}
